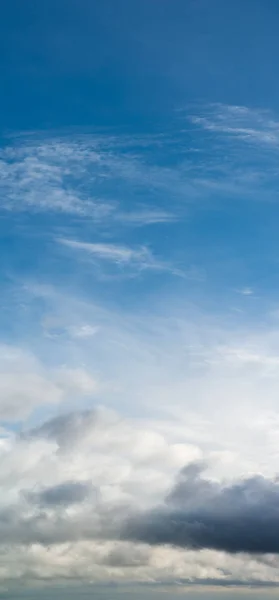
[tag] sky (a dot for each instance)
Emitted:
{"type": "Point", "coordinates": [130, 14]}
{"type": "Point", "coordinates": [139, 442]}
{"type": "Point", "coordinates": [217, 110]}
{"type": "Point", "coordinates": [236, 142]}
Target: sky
{"type": "Point", "coordinates": [139, 321]}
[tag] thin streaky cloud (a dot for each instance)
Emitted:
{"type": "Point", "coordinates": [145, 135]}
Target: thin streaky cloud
{"type": "Point", "coordinates": [239, 122]}
{"type": "Point", "coordinates": [145, 217]}
{"type": "Point", "coordinates": [246, 291]}
{"type": "Point", "coordinates": [140, 258]}
{"type": "Point", "coordinates": [102, 179]}
{"type": "Point", "coordinates": [111, 252]}
{"type": "Point", "coordinates": [79, 177]}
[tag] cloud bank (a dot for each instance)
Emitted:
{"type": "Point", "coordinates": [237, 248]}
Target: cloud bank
{"type": "Point", "coordinates": [199, 514]}
{"type": "Point", "coordinates": [77, 511]}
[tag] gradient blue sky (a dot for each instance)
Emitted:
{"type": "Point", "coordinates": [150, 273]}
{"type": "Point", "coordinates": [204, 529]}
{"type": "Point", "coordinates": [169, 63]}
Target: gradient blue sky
{"type": "Point", "coordinates": [139, 273]}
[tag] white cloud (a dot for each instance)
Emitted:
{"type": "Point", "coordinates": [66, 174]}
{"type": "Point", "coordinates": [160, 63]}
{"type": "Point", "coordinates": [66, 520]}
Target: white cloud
{"type": "Point", "coordinates": [26, 384]}
{"type": "Point", "coordinates": [145, 217]}
{"type": "Point", "coordinates": [35, 178]}
{"type": "Point", "coordinates": [128, 464]}
{"type": "Point", "coordinates": [111, 252]}
{"type": "Point", "coordinates": [96, 177]}
{"type": "Point", "coordinates": [98, 562]}
{"type": "Point", "coordinates": [140, 258]}
{"type": "Point", "coordinates": [77, 176]}
{"type": "Point", "coordinates": [204, 389]}
{"type": "Point", "coordinates": [200, 379]}
{"type": "Point", "coordinates": [240, 122]}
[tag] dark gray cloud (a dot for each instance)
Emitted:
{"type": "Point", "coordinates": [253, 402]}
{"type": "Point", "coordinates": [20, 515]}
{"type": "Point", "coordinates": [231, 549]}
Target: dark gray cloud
{"type": "Point", "coordinates": [64, 494]}
{"type": "Point", "coordinates": [199, 513]}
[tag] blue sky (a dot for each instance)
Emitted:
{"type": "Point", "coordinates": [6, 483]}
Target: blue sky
{"type": "Point", "coordinates": [139, 332]}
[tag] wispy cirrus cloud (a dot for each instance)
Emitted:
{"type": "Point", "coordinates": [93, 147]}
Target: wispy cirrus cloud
{"type": "Point", "coordinates": [145, 217]}
{"type": "Point", "coordinates": [239, 122]}
{"type": "Point", "coordinates": [135, 259]}
{"type": "Point", "coordinates": [81, 176]}
{"type": "Point", "coordinates": [105, 178]}
{"type": "Point", "coordinates": [46, 177]}
{"type": "Point", "coordinates": [112, 252]}
{"type": "Point", "coordinates": [124, 181]}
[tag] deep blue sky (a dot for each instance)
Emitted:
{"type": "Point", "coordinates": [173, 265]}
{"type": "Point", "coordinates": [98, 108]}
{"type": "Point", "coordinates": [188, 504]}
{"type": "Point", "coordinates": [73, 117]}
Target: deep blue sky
{"type": "Point", "coordinates": [127, 67]}
{"type": "Point", "coordinates": [85, 63]}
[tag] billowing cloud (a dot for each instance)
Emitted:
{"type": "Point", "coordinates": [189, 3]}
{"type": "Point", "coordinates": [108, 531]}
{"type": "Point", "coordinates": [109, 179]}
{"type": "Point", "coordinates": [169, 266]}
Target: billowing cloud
{"type": "Point", "coordinates": [240, 517]}
{"type": "Point", "coordinates": [98, 498]}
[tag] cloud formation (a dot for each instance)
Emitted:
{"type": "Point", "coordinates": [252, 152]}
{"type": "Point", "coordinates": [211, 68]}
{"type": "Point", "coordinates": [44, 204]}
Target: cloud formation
{"type": "Point", "coordinates": [98, 498]}
{"type": "Point", "coordinates": [123, 257]}
{"type": "Point", "coordinates": [199, 513]}
{"type": "Point", "coordinates": [104, 178]}
{"type": "Point", "coordinates": [82, 177]}
{"type": "Point", "coordinates": [241, 123]}
{"type": "Point", "coordinates": [91, 494]}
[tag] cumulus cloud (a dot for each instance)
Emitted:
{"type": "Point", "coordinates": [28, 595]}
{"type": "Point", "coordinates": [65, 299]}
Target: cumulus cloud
{"type": "Point", "coordinates": [134, 521]}
{"type": "Point", "coordinates": [82, 475]}
{"type": "Point", "coordinates": [98, 499]}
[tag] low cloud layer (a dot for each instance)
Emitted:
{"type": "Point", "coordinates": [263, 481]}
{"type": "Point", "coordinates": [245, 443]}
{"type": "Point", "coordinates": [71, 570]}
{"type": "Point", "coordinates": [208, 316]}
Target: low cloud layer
{"type": "Point", "coordinates": [196, 513]}
{"type": "Point", "coordinates": [99, 499]}
{"type": "Point", "coordinates": [199, 514]}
